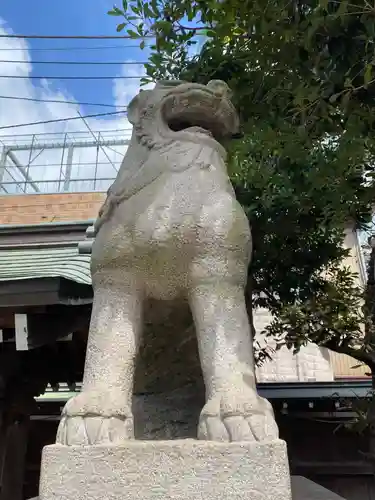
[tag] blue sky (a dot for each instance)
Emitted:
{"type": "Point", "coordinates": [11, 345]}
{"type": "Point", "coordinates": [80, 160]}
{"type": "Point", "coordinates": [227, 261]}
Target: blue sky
{"type": "Point", "coordinates": [71, 17]}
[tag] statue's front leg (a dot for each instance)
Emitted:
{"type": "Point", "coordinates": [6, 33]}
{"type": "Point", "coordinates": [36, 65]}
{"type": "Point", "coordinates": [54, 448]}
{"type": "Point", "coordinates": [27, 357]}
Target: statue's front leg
{"type": "Point", "coordinates": [102, 412]}
{"type": "Point", "coordinates": [233, 410]}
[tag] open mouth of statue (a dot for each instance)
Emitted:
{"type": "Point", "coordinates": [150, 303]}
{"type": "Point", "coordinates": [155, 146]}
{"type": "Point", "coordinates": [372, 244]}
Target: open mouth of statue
{"type": "Point", "coordinates": [201, 127]}
{"type": "Point", "coordinates": [198, 110]}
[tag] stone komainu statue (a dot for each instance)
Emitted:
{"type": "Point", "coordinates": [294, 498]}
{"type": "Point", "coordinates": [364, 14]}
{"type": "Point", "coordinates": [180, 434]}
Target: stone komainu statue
{"type": "Point", "coordinates": [171, 229]}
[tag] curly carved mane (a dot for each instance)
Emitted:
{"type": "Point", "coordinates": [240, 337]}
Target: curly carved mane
{"type": "Point", "coordinates": [161, 140]}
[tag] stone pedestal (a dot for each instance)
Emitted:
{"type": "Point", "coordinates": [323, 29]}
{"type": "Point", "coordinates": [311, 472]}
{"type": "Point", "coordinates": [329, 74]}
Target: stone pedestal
{"type": "Point", "coordinates": [179, 470]}
{"type": "Point", "coordinates": [166, 470]}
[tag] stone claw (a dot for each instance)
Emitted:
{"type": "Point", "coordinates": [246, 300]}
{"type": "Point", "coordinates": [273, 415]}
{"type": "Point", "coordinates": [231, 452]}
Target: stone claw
{"type": "Point", "coordinates": [238, 417]}
{"type": "Point", "coordinates": [95, 418]}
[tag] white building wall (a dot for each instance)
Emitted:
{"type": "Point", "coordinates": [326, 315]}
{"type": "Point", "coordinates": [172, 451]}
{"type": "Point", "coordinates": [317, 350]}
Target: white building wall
{"type": "Point", "coordinates": [355, 261]}
{"type": "Point", "coordinates": [311, 364]}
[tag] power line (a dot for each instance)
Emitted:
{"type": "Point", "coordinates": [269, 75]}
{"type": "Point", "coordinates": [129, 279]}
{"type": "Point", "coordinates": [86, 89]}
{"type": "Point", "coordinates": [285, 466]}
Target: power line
{"type": "Point", "coordinates": [37, 49]}
{"type": "Point", "coordinates": [18, 125]}
{"type": "Point", "coordinates": [94, 37]}
{"type": "Point", "coordinates": [73, 77]}
{"type": "Point", "coordinates": [74, 37]}
{"type": "Point", "coordinates": [75, 62]}
{"type": "Point", "coordinates": [59, 101]}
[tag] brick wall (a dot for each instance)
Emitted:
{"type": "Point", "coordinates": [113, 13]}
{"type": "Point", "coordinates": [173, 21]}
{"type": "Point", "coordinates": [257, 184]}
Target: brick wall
{"type": "Point", "coordinates": [38, 208]}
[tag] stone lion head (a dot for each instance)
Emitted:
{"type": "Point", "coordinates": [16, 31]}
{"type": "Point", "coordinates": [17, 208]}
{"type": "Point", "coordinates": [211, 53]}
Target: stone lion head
{"type": "Point", "coordinates": [172, 124]}
{"type": "Point", "coordinates": [177, 110]}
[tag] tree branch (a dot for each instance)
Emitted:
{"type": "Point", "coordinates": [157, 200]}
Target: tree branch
{"type": "Point", "coordinates": [364, 357]}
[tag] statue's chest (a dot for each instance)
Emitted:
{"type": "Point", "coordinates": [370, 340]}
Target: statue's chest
{"type": "Point", "coordinates": [172, 208]}
{"type": "Point", "coordinates": [165, 222]}
{"type": "Point", "coordinates": [168, 218]}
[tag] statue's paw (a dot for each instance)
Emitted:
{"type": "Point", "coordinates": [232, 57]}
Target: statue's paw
{"type": "Point", "coordinates": [83, 431]}
{"type": "Point", "coordinates": [237, 417]}
{"type": "Point", "coordinates": [95, 418]}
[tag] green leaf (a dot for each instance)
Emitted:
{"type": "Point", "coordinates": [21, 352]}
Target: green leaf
{"type": "Point", "coordinates": [142, 44]}
{"type": "Point", "coordinates": [120, 27]}
{"type": "Point", "coordinates": [156, 58]}
{"type": "Point", "coordinates": [209, 33]}
{"type": "Point", "coordinates": [125, 5]}
{"type": "Point", "coordinates": [334, 97]}
{"type": "Point", "coordinates": [140, 5]}
{"type": "Point", "coordinates": [132, 33]}
{"type": "Point", "coordinates": [148, 12]}
{"type": "Point", "coordinates": [140, 30]}
{"type": "Point", "coordinates": [135, 9]}
{"type": "Point", "coordinates": [164, 26]}
{"type": "Point", "coordinates": [343, 8]}
{"type": "Point", "coordinates": [190, 13]}
{"type": "Point", "coordinates": [367, 77]}
{"type": "Point", "coordinates": [115, 12]}
{"type": "Point", "coordinates": [311, 32]}
{"type": "Point", "coordinates": [145, 80]}
{"type": "Point", "coordinates": [154, 6]}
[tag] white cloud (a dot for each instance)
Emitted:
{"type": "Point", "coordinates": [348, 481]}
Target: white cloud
{"type": "Point", "coordinates": [125, 90]}
{"type": "Point", "coordinates": [49, 165]}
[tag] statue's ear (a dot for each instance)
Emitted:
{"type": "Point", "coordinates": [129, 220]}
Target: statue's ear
{"type": "Point", "coordinates": [136, 105]}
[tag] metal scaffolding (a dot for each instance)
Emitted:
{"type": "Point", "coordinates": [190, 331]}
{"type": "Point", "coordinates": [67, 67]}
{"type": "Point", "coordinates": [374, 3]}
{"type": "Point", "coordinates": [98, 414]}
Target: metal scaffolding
{"type": "Point", "coordinates": [52, 163]}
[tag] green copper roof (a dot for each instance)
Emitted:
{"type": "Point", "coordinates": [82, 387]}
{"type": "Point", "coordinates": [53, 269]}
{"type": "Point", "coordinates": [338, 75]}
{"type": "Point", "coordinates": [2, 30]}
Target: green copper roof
{"type": "Point", "coordinates": [46, 262]}
{"type": "Point", "coordinates": [332, 391]}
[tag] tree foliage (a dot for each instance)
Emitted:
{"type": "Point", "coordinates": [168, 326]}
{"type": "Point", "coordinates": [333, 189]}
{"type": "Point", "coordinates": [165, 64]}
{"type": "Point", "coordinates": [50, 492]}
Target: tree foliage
{"type": "Point", "coordinates": [303, 77]}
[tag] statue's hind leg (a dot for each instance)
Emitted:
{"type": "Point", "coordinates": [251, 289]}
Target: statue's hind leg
{"type": "Point", "coordinates": [233, 411]}
{"type": "Point", "coordinates": [102, 412]}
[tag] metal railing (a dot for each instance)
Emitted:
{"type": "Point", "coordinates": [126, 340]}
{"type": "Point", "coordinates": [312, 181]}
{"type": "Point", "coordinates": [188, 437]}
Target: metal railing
{"type": "Point", "coordinates": [53, 163]}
